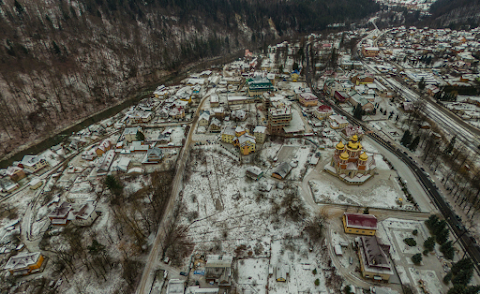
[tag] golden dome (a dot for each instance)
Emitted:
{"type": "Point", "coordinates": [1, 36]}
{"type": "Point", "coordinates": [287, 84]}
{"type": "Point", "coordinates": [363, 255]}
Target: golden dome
{"type": "Point", "coordinates": [354, 138]}
{"type": "Point", "coordinates": [363, 156]}
{"type": "Point", "coordinates": [344, 156]}
{"type": "Point", "coordinates": [340, 146]}
{"type": "Point", "coordinates": [354, 145]}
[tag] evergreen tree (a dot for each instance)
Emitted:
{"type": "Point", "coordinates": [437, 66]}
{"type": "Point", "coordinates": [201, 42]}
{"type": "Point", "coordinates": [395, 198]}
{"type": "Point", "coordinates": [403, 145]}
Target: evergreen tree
{"type": "Point", "coordinates": [414, 144]}
{"type": "Point", "coordinates": [417, 258]}
{"type": "Point", "coordinates": [421, 84]}
{"type": "Point", "coordinates": [19, 7]}
{"type": "Point", "coordinates": [358, 112]}
{"type": "Point", "coordinates": [432, 221]}
{"type": "Point", "coordinates": [407, 137]}
{"type": "Point", "coordinates": [113, 185]}
{"type": "Point", "coordinates": [139, 136]}
{"type": "Point", "coordinates": [429, 244]}
{"type": "Point", "coordinates": [447, 250]}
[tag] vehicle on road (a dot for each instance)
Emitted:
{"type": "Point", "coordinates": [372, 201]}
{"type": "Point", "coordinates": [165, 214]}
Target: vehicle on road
{"type": "Point", "coordinates": [183, 274]}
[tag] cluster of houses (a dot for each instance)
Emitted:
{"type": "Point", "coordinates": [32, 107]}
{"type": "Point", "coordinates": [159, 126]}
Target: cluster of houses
{"type": "Point", "coordinates": [30, 165]}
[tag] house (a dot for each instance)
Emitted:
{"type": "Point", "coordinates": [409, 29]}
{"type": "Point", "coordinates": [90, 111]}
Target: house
{"type": "Point", "coordinates": [215, 125]}
{"type": "Point", "coordinates": [260, 133]}
{"type": "Point", "coordinates": [374, 261]}
{"type": "Point", "coordinates": [308, 99]}
{"type": "Point", "coordinates": [7, 185]}
{"type": "Point", "coordinates": [360, 224]}
{"type": "Point", "coordinates": [218, 112]}
{"type": "Point", "coordinates": [279, 116]}
{"type": "Point", "coordinates": [254, 172]}
{"type": "Point", "coordinates": [177, 113]}
{"type": "Point", "coordinates": [281, 272]}
{"type": "Point", "coordinates": [246, 143]}
{"type": "Point", "coordinates": [240, 131]}
{"type": "Point", "coordinates": [214, 101]}
{"type": "Point", "coordinates": [258, 86]}
{"type": "Point", "coordinates": [139, 116]}
{"type": "Point", "coordinates": [15, 173]}
{"type": "Point", "coordinates": [24, 263]}
{"type": "Point", "coordinates": [361, 79]}
{"type": "Point", "coordinates": [322, 112]}
{"type": "Point", "coordinates": [204, 119]}
{"type": "Point", "coordinates": [154, 155]}
{"type": "Point", "coordinates": [85, 215]}
{"type": "Point", "coordinates": [341, 96]}
{"type": "Point", "coordinates": [176, 286]}
{"type": "Point", "coordinates": [356, 99]}
{"type": "Point", "coordinates": [33, 163]}
{"type": "Point", "coordinates": [218, 269]}
{"type": "Point", "coordinates": [282, 170]}
{"type": "Point", "coordinates": [228, 134]}
{"type": "Point", "coordinates": [35, 183]}
{"type": "Point", "coordinates": [130, 134]}
{"type": "Point", "coordinates": [337, 121]}
{"type": "Point", "coordinates": [104, 147]}
{"type": "Point", "coordinates": [370, 51]}
{"type": "Point", "coordinates": [90, 155]}
{"type": "Point", "coordinates": [239, 114]}
{"type": "Point", "coordinates": [61, 215]}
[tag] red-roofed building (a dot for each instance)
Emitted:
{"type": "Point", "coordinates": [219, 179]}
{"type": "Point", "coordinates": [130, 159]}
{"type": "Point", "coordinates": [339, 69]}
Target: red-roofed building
{"type": "Point", "coordinates": [323, 111]}
{"type": "Point", "coordinates": [360, 224]}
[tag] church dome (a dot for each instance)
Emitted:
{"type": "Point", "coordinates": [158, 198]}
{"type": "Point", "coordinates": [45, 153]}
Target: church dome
{"type": "Point", "coordinates": [364, 156]}
{"type": "Point", "coordinates": [340, 146]}
{"type": "Point", "coordinates": [344, 156]}
{"type": "Point", "coordinates": [354, 138]}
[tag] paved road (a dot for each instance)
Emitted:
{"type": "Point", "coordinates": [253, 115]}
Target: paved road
{"type": "Point", "coordinates": [430, 187]}
{"type": "Point", "coordinates": [147, 276]}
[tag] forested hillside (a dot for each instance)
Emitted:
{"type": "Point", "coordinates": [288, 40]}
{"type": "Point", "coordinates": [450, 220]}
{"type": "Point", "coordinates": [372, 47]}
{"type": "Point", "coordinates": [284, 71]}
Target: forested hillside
{"type": "Point", "coordinates": [62, 60]}
{"type": "Point", "coordinates": [456, 14]}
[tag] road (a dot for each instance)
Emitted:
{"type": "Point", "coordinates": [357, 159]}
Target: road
{"type": "Point", "coordinates": [430, 188]}
{"type": "Point", "coordinates": [147, 275]}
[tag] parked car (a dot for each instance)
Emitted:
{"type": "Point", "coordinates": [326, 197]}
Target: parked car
{"type": "Point", "coordinates": [183, 274]}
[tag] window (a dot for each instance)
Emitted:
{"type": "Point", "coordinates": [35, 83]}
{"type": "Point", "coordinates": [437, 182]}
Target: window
{"type": "Point", "coordinates": [363, 232]}
{"type": "Point", "coordinates": [356, 231]}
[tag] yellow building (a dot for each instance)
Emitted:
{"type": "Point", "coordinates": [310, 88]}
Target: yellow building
{"type": "Point", "coordinates": [374, 261]}
{"type": "Point", "coordinates": [240, 131]}
{"type": "Point", "coordinates": [294, 77]}
{"type": "Point", "coordinates": [228, 134]}
{"type": "Point", "coordinates": [24, 263]}
{"type": "Point", "coordinates": [359, 224]}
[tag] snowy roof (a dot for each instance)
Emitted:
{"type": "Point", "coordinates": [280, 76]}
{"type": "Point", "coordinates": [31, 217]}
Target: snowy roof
{"type": "Point", "coordinates": [22, 260]}
{"type": "Point", "coordinates": [86, 210]}
{"type": "Point", "coordinates": [131, 131]}
{"type": "Point", "coordinates": [260, 129]}
{"type": "Point", "coordinates": [296, 124]}
{"type": "Point", "coordinates": [361, 221]}
{"type": "Point", "coordinates": [219, 261]}
{"type": "Point", "coordinates": [283, 169]}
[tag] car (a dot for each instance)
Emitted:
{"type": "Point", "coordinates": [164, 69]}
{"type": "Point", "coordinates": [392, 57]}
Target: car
{"type": "Point", "coordinates": [422, 169]}
{"type": "Point", "coordinates": [183, 274]}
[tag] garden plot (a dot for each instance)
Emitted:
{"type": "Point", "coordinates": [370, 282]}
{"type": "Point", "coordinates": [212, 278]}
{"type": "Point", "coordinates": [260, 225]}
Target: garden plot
{"type": "Point", "coordinates": [221, 205]}
{"type": "Point", "coordinates": [301, 263]}
{"type": "Point", "coordinates": [253, 274]}
{"type": "Point", "coordinates": [429, 278]}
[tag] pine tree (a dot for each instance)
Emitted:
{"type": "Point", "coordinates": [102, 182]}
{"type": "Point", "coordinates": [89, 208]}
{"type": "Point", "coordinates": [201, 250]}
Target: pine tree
{"type": "Point", "coordinates": [414, 144]}
{"type": "Point", "coordinates": [421, 84]}
{"type": "Point", "coordinates": [140, 136]}
{"type": "Point", "coordinates": [19, 7]}
{"type": "Point", "coordinates": [358, 112]}
{"type": "Point", "coordinates": [407, 137]}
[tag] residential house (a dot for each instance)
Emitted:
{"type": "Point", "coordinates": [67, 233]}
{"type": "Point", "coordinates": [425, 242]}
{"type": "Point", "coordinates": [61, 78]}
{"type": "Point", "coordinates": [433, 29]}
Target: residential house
{"type": "Point", "coordinates": [104, 147]}
{"type": "Point", "coordinates": [154, 155]}
{"type": "Point", "coordinates": [218, 269]}
{"type": "Point", "coordinates": [204, 119]}
{"type": "Point", "coordinates": [322, 112]}
{"type": "Point", "coordinates": [228, 134]}
{"type": "Point", "coordinates": [308, 99]}
{"type": "Point", "coordinates": [15, 173]}
{"type": "Point", "coordinates": [341, 96]}
{"type": "Point", "coordinates": [106, 163]}
{"type": "Point", "coordinates": [177, 113]}
{"type": "Point", "coordinates": [24, 263]}
{"type": "Point", "coordinates": [360, 224]}
{"type": "Point", "coordinates": [218, 112]}
{"type": "Point", "coordinates": [282, 170]}
{"type": "Point", "coordinates": [239, 115]}
{"type": "Point", "coordinates": [370, 51]}
{"type": "Point", "coordinates": [214, 101]}
{"type": "Point", "coordinates": [7, 185]}
{"type": "Point", "coordinates": [260, 133]}
{"type": "Point", "coordinates": [246, 143]}
{"type": "Point", "coordinates": [240, 131]}
{"type": "Point", "coordinates": [61, 215]}
{"type": "Point", "coordinates": [374, 260]}
{"type": "Point", "coordinates": [361, 79]}
{"type": "Point", "coordinates": [337, 121]}
{"type": "Point", "coordinates": [139, 117]}
{"type": "Point", "coordinates": [215, 126]}
{"type": "Point", "coordinates": [33, 163]}
{"type": "Point", "coordinates": [254, 172]}
{"type": "Point", "coordinates": [85, 215]}
{"type": "Point", "coordinates": [130, 134]}
{"type": "Point", "coordinates": [35, 183]}
{"type": "Point", "coordinates": [356, 99]}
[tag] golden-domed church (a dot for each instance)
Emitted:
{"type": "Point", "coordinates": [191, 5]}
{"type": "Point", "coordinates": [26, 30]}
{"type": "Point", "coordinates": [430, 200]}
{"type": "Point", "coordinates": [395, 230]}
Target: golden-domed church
{"type": "Point", "coordinates": [351, 163]}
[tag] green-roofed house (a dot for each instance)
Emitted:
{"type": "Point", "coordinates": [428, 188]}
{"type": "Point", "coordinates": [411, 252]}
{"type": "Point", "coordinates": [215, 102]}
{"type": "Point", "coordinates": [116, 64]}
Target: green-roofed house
{"type": "Point", "coordinates": [258, 86]}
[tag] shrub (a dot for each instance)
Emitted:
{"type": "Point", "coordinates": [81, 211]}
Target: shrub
{"type": "Point", "coordinates": [314, 272]}
{"type": "Point", "coordinates": [317, 282]}
{"type": "Point", "coordinates": [429, 244]}
{"type": "Point", "coordinates": [447, 278]}
{"type": "Point", "coordinates": [410, 242]}
{"type": "Point", "coordinates": [415, 232]}
{"type": "Point", "coordinates": [425, 252]}
{"type": "Point", "coordinates": [417, 258]}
